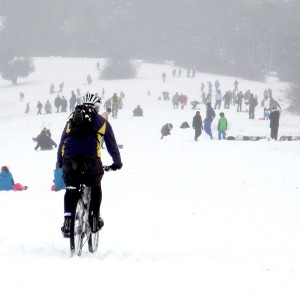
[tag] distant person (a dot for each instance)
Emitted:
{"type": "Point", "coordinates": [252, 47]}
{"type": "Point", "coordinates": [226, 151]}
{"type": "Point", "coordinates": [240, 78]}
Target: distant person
{"type": "Point", "coordinates": [274, 104]}
{"type": "Point", "coordinates": [202, 87]}
{"type": "Point", "coordinates": [27, 110]}
{"type": "Point", "coordinates": [240, 97]}
{"type": "Point", "coordinates": [274, 123]}
{"type": "Point", "coordinates": [51, 90]}
{"type": "Point", "coordinates": [89, 79]}
{"type": "Point", "coordinates": [48, 107]}
{"type": "Point", "coordinates": [222, 127]}
{"type": "Point", "coordinates": [58, 181]}
{"type": "Point", "coordinates": [252, 104]}
{"type": "Point", "coordinates": [98, 65]}
{"type": "Point", "coordinates": [175, 100]}
{"type": "Point", "coordinates": [138, 112]}
{"type": "Point", "coordinates": [164, 76]}
{"type": "Point", "coordinates": [7, 182]}
{"type": "Point", "coordinates": [197, 125]}
{"type": "Point", "coordinates": [39, 107]}
{"type": "Point", "coordinates": [210, 115]}
{"type": "Point", "coordinates": [184, 125]}
{"type": "Point", "coordinates": [194, 104]}
{"type": "Point", "coordinates": [44, 140]}
{"type": "Point", "coordinates": [165, 95]}
{"type": "Point", "coordinates": [64, 104]}
{"type": "Point", "coordinates": [236, 85]}
{"type": "Point", "coordinates": [266, 106]}
{"type": "Point", "coordinates": [182, 100]}
{"type": "Point", "coordinates": [57, 103]}
{"type": "Point", "coordinates": [72, 101]}
{"type": "Point", "coordinates": [61, 86]}
{"type": "Point", "coordinates": [21, 96]}
{"type": "Point", "coordinates": [218, 98]}
{"type": "Point", "coordinates": [166, 130]}
{"type": "Point", "coordinates": [217, 85]}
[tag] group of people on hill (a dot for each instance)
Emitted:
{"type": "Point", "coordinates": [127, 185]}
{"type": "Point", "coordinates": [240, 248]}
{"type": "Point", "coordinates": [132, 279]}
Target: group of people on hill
{"type": "Point", "coordinates": [199, 125]}
{"type": "Point", "coordinates": [232, 97]}
{"type": "Point", "coordinates": [222, 126]}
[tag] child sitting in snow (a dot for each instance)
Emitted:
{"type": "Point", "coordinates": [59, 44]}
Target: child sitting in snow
{"type": "Point", "coordinates": [7, 182]}
{"type": "Point", "coordinates": [59, 183]}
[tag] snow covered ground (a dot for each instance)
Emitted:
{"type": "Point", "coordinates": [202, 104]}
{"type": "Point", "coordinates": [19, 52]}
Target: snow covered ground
{"type": "Point", "coordinates": [183, 219]}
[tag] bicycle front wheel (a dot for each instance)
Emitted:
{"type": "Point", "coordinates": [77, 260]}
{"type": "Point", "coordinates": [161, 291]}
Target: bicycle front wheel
{"type": "Point", "coordinates": [76, 232]}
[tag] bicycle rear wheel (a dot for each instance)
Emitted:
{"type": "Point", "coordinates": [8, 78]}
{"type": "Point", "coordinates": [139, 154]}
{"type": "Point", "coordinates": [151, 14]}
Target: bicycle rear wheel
{"type": "Point", "coordinates": [76, 232]}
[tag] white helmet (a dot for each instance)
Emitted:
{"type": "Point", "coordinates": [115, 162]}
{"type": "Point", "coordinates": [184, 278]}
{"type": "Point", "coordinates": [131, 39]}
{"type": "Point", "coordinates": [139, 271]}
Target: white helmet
{"type": "Point", "coordinates": [90, 99]}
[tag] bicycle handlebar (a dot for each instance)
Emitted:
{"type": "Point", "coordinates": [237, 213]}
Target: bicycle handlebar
{"type": "Point", "coordinates": [107, 168]}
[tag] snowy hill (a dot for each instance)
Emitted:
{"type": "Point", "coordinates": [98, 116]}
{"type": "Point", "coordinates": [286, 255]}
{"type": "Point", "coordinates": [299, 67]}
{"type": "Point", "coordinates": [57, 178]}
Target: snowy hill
{"type": "Point", "coordinates": [183, 220]}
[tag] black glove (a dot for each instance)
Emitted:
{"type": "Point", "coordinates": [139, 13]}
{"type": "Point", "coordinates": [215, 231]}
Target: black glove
{"type": "Point", "coordinates": [115, 167]}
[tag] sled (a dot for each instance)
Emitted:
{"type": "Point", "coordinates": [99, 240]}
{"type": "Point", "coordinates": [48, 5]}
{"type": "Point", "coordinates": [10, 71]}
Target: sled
{"type": "Point", "coordinates": [250, 138]}
{"type": "Point", "coordinates": [289, 138]}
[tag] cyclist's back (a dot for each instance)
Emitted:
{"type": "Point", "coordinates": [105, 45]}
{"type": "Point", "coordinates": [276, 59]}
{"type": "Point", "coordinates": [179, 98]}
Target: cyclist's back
{"type": "Point", "coordinates": [80, 157]}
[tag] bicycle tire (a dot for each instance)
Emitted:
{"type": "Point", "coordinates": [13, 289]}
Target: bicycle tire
{"type": "Point", "coordinates": [93, 242]}
{"type": "Point", "coordinates": [76, 230]}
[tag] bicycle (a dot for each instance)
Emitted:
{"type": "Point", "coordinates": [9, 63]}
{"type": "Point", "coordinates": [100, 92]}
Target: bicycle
{"type": "Point", "coordinates": [80, 231]}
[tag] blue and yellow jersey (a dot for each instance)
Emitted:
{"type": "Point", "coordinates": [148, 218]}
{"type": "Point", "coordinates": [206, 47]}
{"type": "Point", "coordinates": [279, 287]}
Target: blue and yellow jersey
{"type": "Point", "coordinates": [89, 144]}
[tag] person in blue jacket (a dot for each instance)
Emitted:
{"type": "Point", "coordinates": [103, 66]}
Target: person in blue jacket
{"type": "Point", "coordinates": [6, 179]}
{"type": "Point", "coordinates": [59, 183]}
{"type": "Point", "coordinates": [210, 115]}
{"type": "Point", "coordinates": [7, 182]}
{"type": "Point", "coordinates": [79, 155]}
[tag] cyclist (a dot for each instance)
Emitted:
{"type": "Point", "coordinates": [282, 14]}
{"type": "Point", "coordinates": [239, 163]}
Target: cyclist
{"type": "Point", "coordinates": [80, 158]}
{"type": "Point", "coordinates": [115, 102]}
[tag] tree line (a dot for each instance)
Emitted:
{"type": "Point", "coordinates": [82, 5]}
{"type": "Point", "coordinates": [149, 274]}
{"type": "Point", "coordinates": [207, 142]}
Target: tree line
{"type": "Point", "coordinates": [246, 38]}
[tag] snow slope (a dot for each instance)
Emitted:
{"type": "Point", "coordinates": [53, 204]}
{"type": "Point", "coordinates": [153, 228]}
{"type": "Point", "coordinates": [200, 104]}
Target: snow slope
{"type": "Point", "coordinates": [183, 220]}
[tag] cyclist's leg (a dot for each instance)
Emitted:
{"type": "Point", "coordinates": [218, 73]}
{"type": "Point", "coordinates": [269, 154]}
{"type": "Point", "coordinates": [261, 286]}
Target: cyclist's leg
{"type": "Point", "coordinates": [93, 175]}
{"type": "Point", "coordinates": [71, 176]}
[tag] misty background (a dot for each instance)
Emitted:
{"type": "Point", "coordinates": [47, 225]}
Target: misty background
{"type": "Point", "coordinates": [243, 38]}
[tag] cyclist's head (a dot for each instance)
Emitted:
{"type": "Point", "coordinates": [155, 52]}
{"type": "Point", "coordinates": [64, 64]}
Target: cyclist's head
{"type": "Point", "coordinates": [91, 99]}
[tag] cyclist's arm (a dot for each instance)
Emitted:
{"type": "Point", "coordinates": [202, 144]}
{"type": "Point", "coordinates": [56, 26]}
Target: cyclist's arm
{"type": "Point", "coordinates": [111, 145]}
{"type": "Point", "coordinates": [59, 151]}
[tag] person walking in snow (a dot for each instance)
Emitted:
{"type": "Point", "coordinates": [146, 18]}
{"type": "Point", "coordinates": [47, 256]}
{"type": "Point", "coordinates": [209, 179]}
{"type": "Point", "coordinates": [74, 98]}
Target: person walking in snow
{"type": "Point", "coordinates": [210, 115]}
{"type": "Point", "coordinates": [217, 85]}
{"type": "Point", "coordinates": [21, 96]}
{"type": "Point", "coordinates": [39, 107]}
{"type": "Point", "coordinates": [236, 85]}
{"type": "Point", "coordinates": [197, 125]}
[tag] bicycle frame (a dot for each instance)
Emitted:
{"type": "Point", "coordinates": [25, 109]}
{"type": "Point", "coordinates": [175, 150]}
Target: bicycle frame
{"type": "Point", "coordinates": [80, 231]}
{"type": "Point", "coordinates": [80, 227]}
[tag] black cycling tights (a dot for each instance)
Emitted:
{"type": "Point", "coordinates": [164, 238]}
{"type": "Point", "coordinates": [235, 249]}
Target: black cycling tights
{"type": "Point", "coordinates": [71, 197]}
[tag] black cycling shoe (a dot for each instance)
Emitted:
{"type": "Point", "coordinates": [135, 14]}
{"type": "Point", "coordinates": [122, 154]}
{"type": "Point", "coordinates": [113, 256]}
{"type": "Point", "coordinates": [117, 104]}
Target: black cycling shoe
{"type": "Point", "coordinates": [66, 227]}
